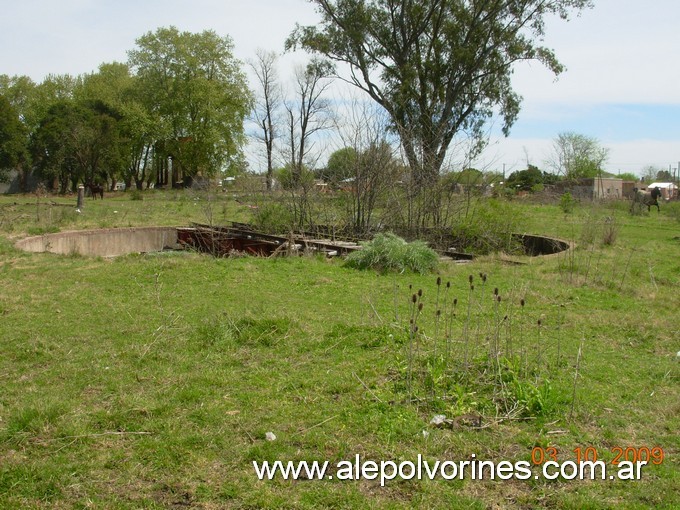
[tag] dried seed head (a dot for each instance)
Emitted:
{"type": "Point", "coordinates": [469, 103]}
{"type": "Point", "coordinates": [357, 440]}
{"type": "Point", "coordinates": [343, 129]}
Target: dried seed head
{"type": "Point", "coordinates": [484, 277]}
{"type": "Point", "coordinates": [439, 281]}
{"type": "Point", "coordinates": [420, 306]}
{"type": "Point", "coordinates": [481, 275]}
{"type": "Point", "coordinates": [539, 322]}
{"type": "Point", "coordinates": [472, 287]}
{"type": "Point", "coordinates": [448, 285]}
{"type": "Point", "coordinates": [505, 318]}
{"type": "Point", "coordinates": [498, 298]}
{"type": "Point", "coordinates": [420, 292]}
{"type": "Point", "coordinates": [439, 312]}
{"type": "Point", "coordinates": [455, 301]}
{"type": "Point", "coordinates": [495, 291]}
{"type": "Point", "coordinates": [470, 278]}
{"type": "Point", "coordinates": [414, 298]}
{"type": "Point", "coordinates": [415, 330]}
{"type": "Point", "coordinates": [521, 302]}
{"type": "Point", "coordinates": [410, 286]}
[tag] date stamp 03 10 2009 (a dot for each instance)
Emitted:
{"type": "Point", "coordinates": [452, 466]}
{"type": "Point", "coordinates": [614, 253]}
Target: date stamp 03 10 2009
{"type": "Point", "coordinates": [655, 455]}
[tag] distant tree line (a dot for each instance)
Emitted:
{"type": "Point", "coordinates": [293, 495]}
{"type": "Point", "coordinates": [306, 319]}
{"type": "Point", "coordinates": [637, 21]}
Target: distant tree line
{"type": "Point", "coordinates": [174, 110]}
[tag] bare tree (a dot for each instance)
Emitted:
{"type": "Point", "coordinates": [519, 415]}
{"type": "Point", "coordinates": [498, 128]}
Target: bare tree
{"type": "Point", "coordinates": [308, 113]}
{"type": "Point", "coordinates": [268, 102]}
{"type": "Point", "coordinates": [373, 165]}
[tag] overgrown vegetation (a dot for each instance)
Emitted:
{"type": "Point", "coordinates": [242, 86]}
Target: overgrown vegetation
{"type": "Point", "coordinates": [388, 252]}
{"type": "Point", "coordinates": [486, 227]}
{"type": "Point", "coordinates": [162, 374]}
{"type": "Point", "coordinates": [567, 203]}
{"type": "Point", "coordinates": [486, 343]}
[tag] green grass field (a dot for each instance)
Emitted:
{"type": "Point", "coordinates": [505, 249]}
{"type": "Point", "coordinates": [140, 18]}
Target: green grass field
{"type": "Point", "coordinates": [150, 381]}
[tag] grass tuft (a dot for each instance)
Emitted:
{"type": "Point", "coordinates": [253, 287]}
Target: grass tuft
{"type": "Point", "coordinates": [390, 253]}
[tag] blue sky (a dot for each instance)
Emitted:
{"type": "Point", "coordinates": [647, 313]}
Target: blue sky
{"type": "Point", "coordinates": [614, 122]}
{"type": "Point", "coordinates": [621, 86]}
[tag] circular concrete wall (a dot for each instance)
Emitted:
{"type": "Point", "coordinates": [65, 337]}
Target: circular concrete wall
{"type": "Point", "coordinates": [103, 243]}
{"type": "Point", "coordinates": [536, 246]}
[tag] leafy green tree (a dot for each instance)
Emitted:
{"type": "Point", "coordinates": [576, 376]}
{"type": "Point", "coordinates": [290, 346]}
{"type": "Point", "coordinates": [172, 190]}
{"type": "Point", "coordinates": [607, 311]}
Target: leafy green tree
{"type": "Point", "coordinates": [193, 83]}
{"type": "Point", "coordinates": [51, 147]}
{"type": "Point", "coordinates": [341, 165]}
{"type": "Point", "coordinates": [551, 178]}
{"type": "Point", "coordinates": [292, 179]}
{"type": "Point", "coordinates": [22, 94]}
{"type": "Point", "coordinates": [525, 180]}
{"type": "Point", "coordinates": [19, 91]}
{"type": "Point", "coordinates": [438, 67]}
{"type": "Point", "coordinates": [110, 90]}
{"type": "Point", "coordinates": [52, 90]}
{"type": "Point", "coordinates": [111, 84]}
{"type": "Point", "coordinates": [32, 100]}
{"type": "Point", "coordinates": [138, 128]}
{"type": "Point", "coordinates": [75, 143]}
{"type": "Point", "coordinates": [577, 156]}
{"type": "Point", "coordinates": [628, 176]}
{"type": "Point", "coordinates": [664, 176]}
{"type": "Point", "coordinates": [13, 139]}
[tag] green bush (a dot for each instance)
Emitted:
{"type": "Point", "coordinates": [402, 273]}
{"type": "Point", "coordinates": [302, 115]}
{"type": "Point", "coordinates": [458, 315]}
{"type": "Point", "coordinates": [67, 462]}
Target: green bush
{"type": "Point", "coordinates": [567, 203]}
{"type": "Point", "coordinates": [274, 217]}
{"type": "Point", "coordinates": [487, 229]}
{"type": "Point", "coordinates": [388, 252]}
{"type": "Point", "coordinates": [672, 209]}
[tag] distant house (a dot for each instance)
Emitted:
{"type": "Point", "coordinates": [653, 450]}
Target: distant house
{"type": "Point", "coordinates": [599, 187]}
{"type": "Point", "coordinates": [669, 190]}
{"type": "Point", "coordinates": [629, 188]}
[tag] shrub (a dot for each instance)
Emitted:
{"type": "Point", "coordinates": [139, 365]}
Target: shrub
{"type": "Point", "coordinates": [610, 231]}
{"type": "Point", "coordinates": [273, 217]}
{"type": "Point", "coordinates": [388, 252]}
{"type": "Point", "coordinates": [567, 203]}
{"type": "Point", "coordinates": [672, 209]}
{"type": "Point", "coordinates": [487, 229]}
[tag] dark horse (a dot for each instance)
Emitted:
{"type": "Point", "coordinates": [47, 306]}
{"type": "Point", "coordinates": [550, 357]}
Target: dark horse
{"type": "Point", "coordinates": [648, 198]}
{"type": "Point", "coordinates": [96, 189]}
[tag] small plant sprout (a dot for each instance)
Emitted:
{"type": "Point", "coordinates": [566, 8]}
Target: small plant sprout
{"type": "Point", "coordinates": [539, 346]}
{"type": "Point", "coordinates": [438, 313]}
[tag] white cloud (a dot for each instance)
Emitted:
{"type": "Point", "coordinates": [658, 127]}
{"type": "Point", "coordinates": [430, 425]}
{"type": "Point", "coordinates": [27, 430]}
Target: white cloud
{"type": "Point", "coordinates": [618, 52]}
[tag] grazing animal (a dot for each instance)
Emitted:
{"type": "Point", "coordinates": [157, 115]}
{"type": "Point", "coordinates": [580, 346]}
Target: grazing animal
{"type": "Point", "coordinates": [648, 198]}
{"type": "Point", "coordinates": [96, 189]}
